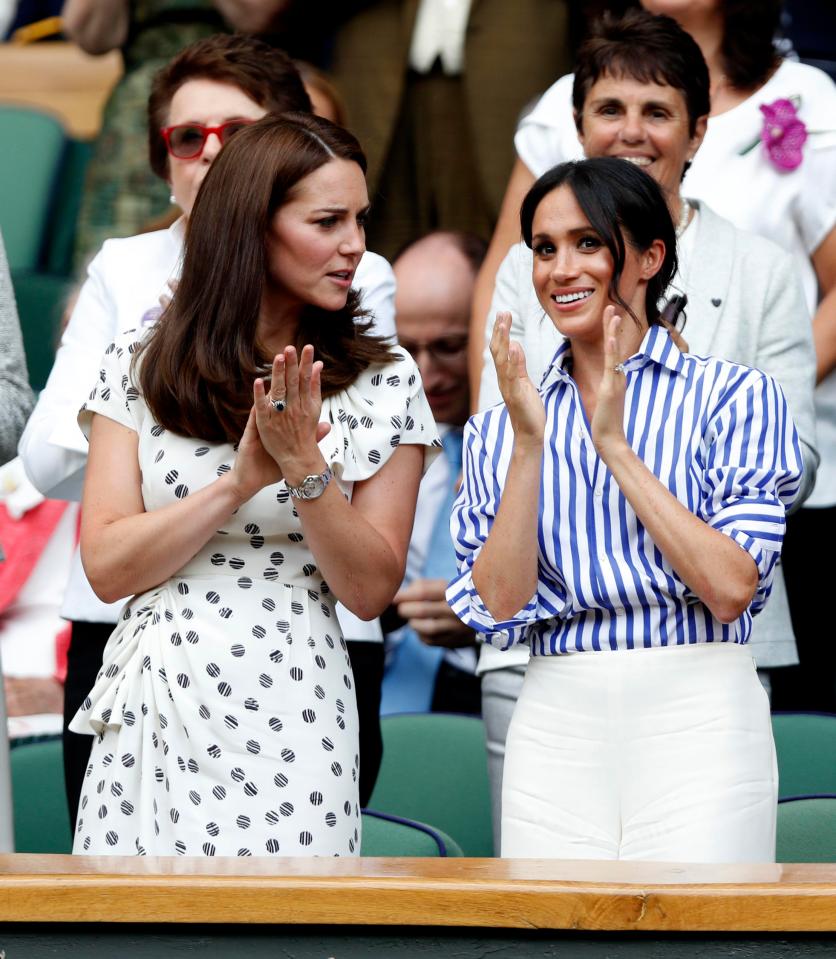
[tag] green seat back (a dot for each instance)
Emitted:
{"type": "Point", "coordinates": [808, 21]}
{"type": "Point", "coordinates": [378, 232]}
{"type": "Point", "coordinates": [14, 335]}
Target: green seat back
{"type": "Point", "coordinates": [806, 748]}
{"type": "Point", "coordinates": [42, 822]}
{"type": "Point", "coordinates": [30, 159]}
{"type": "Point", "coordinates": [435, 770]}
{"type": "Point", "coordinates": [807, 830]}
{"type": "Point", "coordinates": [41, 298]}
{"type": "Point", "coordinates": [386, 836]}
{"type": "Point", "coordinates": [57, 255]}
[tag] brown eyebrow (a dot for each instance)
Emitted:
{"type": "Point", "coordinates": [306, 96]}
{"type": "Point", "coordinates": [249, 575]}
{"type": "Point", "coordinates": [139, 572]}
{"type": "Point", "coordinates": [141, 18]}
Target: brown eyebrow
{"type": "Point", "coordinates": [341, 209]}
{"type": "Point", "coordinates": [575, 231]}
{"type": "Point", "coordinates": [606, 102]}
{"type": "Point", "coordinates": [616, 102]}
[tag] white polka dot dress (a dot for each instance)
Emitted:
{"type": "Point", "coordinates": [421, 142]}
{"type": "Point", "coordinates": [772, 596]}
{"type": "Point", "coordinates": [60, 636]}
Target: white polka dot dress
{"type": "Point", "coordinates": [224, 713]}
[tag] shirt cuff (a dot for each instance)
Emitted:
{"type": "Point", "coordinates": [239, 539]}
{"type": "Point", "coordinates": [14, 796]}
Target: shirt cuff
{"type": "Point", "coordinates": [765, 560]}
{"type": "Point", "coordinates": [467, 604]}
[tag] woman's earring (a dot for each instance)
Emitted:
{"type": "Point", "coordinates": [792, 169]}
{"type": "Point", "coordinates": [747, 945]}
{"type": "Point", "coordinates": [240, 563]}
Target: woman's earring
{"type": "Point", "coordinates": [172, 199]}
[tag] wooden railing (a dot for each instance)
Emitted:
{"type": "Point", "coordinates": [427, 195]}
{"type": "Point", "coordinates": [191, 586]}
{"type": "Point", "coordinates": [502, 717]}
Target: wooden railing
{"type": "Point", "coordinates": [61, 79]}
{"type": "Point", "coordinates": [487, 893]}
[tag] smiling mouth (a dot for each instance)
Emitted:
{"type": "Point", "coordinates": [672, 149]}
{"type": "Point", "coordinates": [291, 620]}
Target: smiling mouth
{"type": "Point", "coordinates": [344, 275]}
{"type": "Point", "coordinates": [637, 161]}
{"type": "Point", "coordinates": [571, 297]}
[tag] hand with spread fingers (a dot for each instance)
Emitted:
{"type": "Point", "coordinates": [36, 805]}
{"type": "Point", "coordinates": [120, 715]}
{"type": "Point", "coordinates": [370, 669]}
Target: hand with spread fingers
{"type": "Point", "coordinates": [525, 406]}
{"type": "Point", "coordinates": [423, 606]}
{"type": "Point", "coordinates": [608, 420]}
{"type": "Point", "coordinates": [287, 416]}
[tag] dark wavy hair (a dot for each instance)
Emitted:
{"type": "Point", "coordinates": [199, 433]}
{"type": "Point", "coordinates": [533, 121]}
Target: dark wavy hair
{"type": "Point", "coordinates": [623, 205]}
{"type": "Point", "coordinates": [267, 75]}
{"type": "Point", "coordinates": [749, 28]}
{"type": "Point", "coordinates": [646, 48]}
{"type": "Point", "coordinates": [199, 361]}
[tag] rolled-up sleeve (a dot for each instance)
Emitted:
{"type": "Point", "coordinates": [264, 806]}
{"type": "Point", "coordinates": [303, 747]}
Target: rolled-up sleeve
{"type": "Point", "coordinates": [488, 441]}
{"type": "Point", "coordinates": [753, 471]}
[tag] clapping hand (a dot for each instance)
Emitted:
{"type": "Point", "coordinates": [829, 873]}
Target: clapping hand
{"type": "Point", "coordinates": [275, 442]}
{"type": "Point", "coordinates": [608, 420]}
{"type": "Point", "coordinates": [287, 418]}
{"type": "Point", "coordinates": [524, 404]}
{"type": "Point", "coordinates": [253, 468]}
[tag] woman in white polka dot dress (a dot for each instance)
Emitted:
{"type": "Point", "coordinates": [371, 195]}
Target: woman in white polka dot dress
{"type": "Point", "coordinates": [237, 498]}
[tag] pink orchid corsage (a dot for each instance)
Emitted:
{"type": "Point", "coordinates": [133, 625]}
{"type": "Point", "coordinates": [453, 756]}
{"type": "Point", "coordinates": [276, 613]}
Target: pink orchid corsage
{"type": "Point", "coordinates": [783, 134]}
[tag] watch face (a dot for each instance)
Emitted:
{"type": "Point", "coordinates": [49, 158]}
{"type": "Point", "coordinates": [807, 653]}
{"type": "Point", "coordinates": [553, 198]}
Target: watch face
{"type": "Point", "coordinates": [311, 486]}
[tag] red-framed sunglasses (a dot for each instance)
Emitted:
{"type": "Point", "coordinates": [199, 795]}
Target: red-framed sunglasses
{"type": "Point", "coordinates": [186, 140]}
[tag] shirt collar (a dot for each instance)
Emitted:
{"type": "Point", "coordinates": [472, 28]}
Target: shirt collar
{"type": "Point", "coordinates": [656, 347]}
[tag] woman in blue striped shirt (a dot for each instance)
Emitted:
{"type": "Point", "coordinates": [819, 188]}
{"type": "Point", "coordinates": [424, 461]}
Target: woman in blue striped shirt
{"type": "Point", "coordinates": [662, 481]}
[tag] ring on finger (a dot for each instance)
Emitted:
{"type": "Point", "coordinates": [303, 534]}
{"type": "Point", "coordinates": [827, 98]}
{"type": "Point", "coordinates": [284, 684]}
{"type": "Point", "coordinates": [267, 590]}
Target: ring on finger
{"type": "Point", "coordinates": [278, 405]}
{"type": "Point", "coordinates": [619, 368]}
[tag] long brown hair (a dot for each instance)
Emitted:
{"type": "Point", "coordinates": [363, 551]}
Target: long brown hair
{"type": "Point", "coordinates": [199, 362]}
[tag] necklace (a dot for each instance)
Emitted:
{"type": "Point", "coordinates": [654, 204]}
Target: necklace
{"type": "Point", "coordinates": [684, 216]}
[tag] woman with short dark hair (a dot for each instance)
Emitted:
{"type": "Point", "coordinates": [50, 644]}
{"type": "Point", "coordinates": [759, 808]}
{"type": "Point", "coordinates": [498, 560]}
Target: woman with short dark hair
{"type": "Point", "coordinates": [662, 479]}
{"type": "Point", "coordinates": [244, 457]}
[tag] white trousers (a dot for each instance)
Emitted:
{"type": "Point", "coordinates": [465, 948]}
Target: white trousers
{"type": "Point", "coordinates": [661, 754]}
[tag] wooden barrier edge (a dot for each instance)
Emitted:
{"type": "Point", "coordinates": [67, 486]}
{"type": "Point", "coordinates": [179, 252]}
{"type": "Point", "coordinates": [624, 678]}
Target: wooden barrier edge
{"type": "Point", "coordinates": [347, 900]}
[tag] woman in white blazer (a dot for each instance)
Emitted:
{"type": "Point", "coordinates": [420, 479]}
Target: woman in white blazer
{"type": "Point", "coordinates": [744, 299]}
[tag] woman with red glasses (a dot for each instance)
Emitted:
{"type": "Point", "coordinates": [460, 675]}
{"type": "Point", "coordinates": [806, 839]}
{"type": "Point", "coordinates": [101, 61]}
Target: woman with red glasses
{"type": "Point", "coordinates": [212, 89]}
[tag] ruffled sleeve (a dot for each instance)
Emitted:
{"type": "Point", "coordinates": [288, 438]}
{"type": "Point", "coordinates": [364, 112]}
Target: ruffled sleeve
{"type": "Point", "coordinates": [114, 394]}
{"type": "Point", "coordinates": [384, 408]}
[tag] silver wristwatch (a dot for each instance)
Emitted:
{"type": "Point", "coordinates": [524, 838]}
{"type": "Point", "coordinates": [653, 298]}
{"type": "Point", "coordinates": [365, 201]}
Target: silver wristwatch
{"type": "Point", "coordinates": [313, 486]}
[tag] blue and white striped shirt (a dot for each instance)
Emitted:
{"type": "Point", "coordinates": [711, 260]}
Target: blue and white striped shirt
{"type": "Point", "coordinates": [720, 438]}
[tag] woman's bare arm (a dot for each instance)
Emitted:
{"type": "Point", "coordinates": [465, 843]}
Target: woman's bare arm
{"type": "Point", "coordinates": [505, 571]}
{"type": "Point", "coordinates": [824, 322]}
{"type": "Point", "coordinates": [715, 568]}
{"type": "Point", "coordinates": [124, 549]}
{"type": "Point", "coordinates": [359, 547]}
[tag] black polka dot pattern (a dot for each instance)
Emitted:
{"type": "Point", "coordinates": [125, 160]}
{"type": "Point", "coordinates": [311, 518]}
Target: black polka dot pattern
{"type": "Point", "coordinates": [225, 706]}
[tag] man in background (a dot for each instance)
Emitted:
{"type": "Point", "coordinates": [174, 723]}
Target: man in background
{"type": "Point", "coordinates": [434, 90]}
{"type": "Point", "coordinates": [431, 660]}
